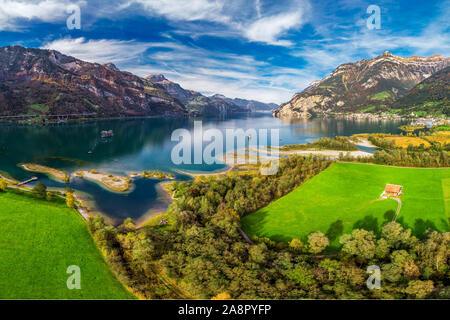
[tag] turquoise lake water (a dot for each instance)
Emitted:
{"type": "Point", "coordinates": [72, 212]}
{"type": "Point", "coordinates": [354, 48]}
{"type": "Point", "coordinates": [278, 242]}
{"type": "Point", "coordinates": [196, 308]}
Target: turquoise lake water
{"type": "Point", "coordinates": [143, 144]}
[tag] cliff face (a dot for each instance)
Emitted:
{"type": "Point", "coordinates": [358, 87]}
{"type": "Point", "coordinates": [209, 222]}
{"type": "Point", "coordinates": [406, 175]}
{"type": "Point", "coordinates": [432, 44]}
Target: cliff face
{"type": "Point", "coordinates": [35, 81]}
{"type": "Point", "coordinates": [195, 102]}
{"type": "Point", "coordinates": [367, 85]}
{"type": "Point", "coordinates": [432, 94]}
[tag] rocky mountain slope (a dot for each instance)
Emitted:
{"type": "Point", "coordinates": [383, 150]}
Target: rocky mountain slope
{"type": "Point", "coordinates": [195, 102]}
{"type": "Point", "coordinates": [250, 105]}
{"type": "Point", "coordinates": [35, 81]}
{"type": "Point", "coordinates": [432, 94]}
{"type": "Point", "coordinates": [367, 85]}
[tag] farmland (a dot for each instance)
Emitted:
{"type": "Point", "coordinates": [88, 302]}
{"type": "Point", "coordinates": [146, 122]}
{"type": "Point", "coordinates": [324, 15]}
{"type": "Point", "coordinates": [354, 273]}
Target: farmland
{"type": "Point", "coordinates": [40, 240]}
{"type": "Point", "coordinates": [345, 196]}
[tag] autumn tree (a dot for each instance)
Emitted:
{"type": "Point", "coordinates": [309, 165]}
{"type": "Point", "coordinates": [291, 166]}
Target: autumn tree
{"type": "Point", "coordinates": [70, 200]}
{"type": "Point", "coordinates": [317, 242]}
{"type": "Point", "coordinates": [396, 236]}
{"type": "Point", "coordinates": [419, 289]}
{"type": "Point", "coordinates": [222, 296]}
{"type": "Point", "coordinates": [296, 245]}
{"type": "Point", "coordinates": [3, 185]}
{"type": "Point", "coordinates": [360, 244]}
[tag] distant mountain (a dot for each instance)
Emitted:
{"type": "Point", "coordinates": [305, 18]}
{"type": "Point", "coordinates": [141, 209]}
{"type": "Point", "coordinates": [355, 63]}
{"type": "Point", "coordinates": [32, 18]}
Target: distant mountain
{"type": "Point", "coordinates": [432, 94]}
{"type": "Point", "coordinates": [36, 81]}
{"type": "Point", "coordinates": [367, 85]}
{"type": "Point", "coordinates": [195, 102]}
{"type": "Point", "coordinates": [251, 105]}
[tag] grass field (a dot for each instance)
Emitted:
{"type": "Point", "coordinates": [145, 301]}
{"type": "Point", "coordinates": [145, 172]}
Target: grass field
{"type": "Point", "coordinates": [342, 198]}
{"type": "Point", "coordinates": [39, 240]}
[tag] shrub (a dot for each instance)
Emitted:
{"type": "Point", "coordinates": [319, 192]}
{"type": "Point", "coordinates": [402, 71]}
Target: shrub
{"type": "Point", "coordinates": [3, 185]}
{"type": "Point", "coordinates": [40, 190]}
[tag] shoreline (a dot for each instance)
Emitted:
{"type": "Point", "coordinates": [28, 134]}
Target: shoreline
{"type": "Point", "coordinates": [163, 194]}
{"type": "Point", "coordinates": [325, 153]}
{"type": "Point", "coordinates": [196, 175]}
{"type": "Point", "coordinates": [112, 182]}
{"type": "Point", "coordinates": [55, 174]}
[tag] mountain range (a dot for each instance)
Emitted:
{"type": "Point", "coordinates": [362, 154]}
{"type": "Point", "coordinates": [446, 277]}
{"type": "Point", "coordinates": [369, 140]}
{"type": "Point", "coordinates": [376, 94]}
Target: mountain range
{"type": "Point", "coordinates": [37, 81]}
{"type": "Point", "coordinates": [251, 105]}
{"type": "Point", "coordinates": [367, 85]}
{"type": "Point", "coordinates": [196, 103]}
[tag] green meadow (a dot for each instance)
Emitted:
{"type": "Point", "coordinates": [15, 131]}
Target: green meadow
{"type": "Point", "coordinates": [344, 197]}
{"type": "Point", "coordinates": [39, 240]}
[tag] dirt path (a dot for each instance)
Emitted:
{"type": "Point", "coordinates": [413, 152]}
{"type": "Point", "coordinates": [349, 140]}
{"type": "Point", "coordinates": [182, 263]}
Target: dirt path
{"type": "Point", "coordinates": [399, 201]}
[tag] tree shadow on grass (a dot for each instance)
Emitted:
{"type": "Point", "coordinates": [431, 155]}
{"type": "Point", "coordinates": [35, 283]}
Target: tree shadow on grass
{"type": "Point", "coordinates": [388, 216]}
{"type": "Point", "coordinates": [421, 226]}
{"type": "Point", "coordinates": [368, 223]}
{"type": "Point", "coordinates": [335, 230]}
{"type": "Point", "coordinates": [280, 238]}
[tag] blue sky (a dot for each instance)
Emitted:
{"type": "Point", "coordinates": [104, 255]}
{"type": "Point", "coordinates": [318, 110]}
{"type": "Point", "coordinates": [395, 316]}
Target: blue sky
{"type": "Point", "coordinates": [257, 49]}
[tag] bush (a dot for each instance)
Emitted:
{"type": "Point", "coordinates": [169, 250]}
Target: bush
{"type": "Point", "coordinates": [40, 190]}
{"type": "Point", "coordinates": [3, 185]}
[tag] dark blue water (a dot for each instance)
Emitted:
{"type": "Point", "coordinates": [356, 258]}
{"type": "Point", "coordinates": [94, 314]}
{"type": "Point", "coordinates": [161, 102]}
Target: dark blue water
{"type": "Point", "coordinates": [143, 144]}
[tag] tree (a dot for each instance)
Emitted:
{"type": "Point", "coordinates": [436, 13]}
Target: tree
{"type": "Point", "coordinates": [395, 235]}
{"type": "Point", "coordinates": [70, 200]}
{"type": "Point", "coordinates": [419, 289]}
{"type": "Point", "coordinates": [360, 243]}
{"type": "Point", "coordinates": [317, 242]}
{"type": "Point", "coordinates": [258, 253]}
{"type": "Point", "coordinates": [222, 296]}
{"type": "Point", "coordinates": [433, 252]}
{"type": "Point", "coordinates": [382, 250]}
{"type": "Point", "coordinates": [40, 190]}
{"type": "Point", "coordinates": [128, 225]}
{"type": "Point", "coordinates": [296, 245]}
{"type": "Point", "coordinates": [3, 185]}
{"type": "Point", "coordinates": [301, 276]}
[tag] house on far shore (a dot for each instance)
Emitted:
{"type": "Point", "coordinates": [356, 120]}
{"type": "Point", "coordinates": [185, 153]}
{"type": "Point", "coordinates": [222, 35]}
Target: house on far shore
{"type": "Point", "coordinates": [392, 190]}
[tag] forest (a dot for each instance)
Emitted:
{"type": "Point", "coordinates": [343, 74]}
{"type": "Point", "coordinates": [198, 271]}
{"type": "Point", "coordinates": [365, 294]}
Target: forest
{"type": "Point", "coordinates": [204, 254]}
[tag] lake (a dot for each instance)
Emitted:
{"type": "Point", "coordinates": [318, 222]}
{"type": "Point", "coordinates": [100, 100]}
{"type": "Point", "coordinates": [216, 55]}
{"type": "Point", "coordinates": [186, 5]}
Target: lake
{"type": "Point", "coordinates": [143, 144]}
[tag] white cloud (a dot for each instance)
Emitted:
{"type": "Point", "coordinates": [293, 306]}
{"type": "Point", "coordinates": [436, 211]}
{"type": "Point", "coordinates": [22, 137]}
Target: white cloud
{"type": "Point", "coordinates": [13, 11]}
{"type": "Point", "coordinates": [241, 18]}
{"type": "Point", "coordinates": [269, 29]}
{"type": "Point", "coordinates": [185, 10]}
{"type": "Point", "coordinates": [194, 68]}
{"type": "Point", "coordinates": [100, 51]}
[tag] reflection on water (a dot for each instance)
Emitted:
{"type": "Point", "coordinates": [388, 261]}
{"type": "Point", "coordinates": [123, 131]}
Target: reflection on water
{"type": "Point", "coordinates": [143, 144]}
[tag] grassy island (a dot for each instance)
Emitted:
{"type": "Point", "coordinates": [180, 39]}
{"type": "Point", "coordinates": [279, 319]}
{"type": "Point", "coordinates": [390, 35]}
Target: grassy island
{"type": "Point", "coordinates": [154, 174]}
{"type": "Point", "coordinates": [337, 143]}
{"type": "Point", "coordinates": [56, 174]}
{"type": "Point", "coordinates": [110, 181]}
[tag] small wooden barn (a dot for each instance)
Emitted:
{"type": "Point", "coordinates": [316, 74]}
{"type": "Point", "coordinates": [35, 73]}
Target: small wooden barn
{"type": "Point", "coordinates": [393, 190]}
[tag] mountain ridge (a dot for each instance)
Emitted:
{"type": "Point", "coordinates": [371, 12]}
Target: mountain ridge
{"type": "Point", "coordinates": [251, 105]}
{"type": "Point", "coordinates": [433, 94]}
{"type": "Point", "coordinates": [195, 102]}
{"type": "Point", "coordinates": [366, 85]}
{"type": "Point", "coordinates": [46, 81]}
